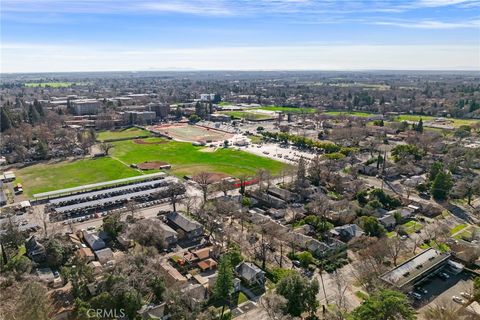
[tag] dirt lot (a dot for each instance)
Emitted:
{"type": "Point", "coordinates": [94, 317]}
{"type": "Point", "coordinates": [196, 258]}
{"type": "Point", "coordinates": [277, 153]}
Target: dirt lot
{"type": "Point", "coordinates": [212, 177]}
{"type": "Point", "coordinates": [151, 165]}
{"type": "Point", "coordinates": [192, 133]}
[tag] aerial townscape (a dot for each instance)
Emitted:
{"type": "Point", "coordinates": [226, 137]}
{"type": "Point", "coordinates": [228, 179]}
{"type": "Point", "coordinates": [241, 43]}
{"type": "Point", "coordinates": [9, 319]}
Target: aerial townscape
{"type": "Point", "coordinates": [278, 193]}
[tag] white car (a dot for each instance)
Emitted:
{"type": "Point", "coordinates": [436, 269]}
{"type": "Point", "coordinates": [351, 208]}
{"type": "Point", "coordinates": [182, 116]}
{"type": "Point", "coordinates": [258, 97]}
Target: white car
{"type": "Point", "coordinates": [466, 295]}
{"type": "Point", "coordinates": [458, 299]}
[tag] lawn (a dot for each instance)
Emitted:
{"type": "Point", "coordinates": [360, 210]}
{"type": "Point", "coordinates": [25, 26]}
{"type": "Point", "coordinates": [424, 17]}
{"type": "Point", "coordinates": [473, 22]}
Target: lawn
{"type": "Point", "coordinates": [432, 244]}
{"type": "Point", "coordinates": [458, 227]}
{"type": "Point", "coordinates": [247, 115]}
{"type": "Point", "coordinates": [456, 122]}
{"type": "Point", "coordinates": [187, 159]}
{"type": "Point", "coordinates": [129, 133]}
{"type": "Point", "coordinates": [412, 226]}
{"type": "Point", "coordinates": [255, 139]}
{"type": "Point", "coordinates": [351, 113]}
{"type": "Point", "coordinates": [241, 298]}
{"type": "Point", "coordinates": [66, 174]}
{"type": "Point", "coordinates": [287, 109]}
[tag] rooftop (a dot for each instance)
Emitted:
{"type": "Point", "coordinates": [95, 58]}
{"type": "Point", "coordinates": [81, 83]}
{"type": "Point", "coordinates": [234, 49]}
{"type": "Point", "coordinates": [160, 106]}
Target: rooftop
{"type": "Point", "coordinates": [415, 267]}
{"type": "Point", "coordinates": [57, 193]}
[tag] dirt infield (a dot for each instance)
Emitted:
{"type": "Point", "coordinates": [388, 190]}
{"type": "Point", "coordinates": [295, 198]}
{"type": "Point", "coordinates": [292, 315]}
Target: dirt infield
{"type": "Point", "coordinates": [141, 141]}
{"type": "Point", "coordinates": [191, 133]}
{"type": "Point", "coordinates": [211, 177]}
{"type": "Point", "coordinates": [153, 165]}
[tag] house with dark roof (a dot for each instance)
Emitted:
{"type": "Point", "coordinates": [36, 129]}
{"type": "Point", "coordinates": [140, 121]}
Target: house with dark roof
{"type": "Point", "coordinates": [93, 240]}
{"type": "Point", "coordinates": [35, 250]}
{"type": "Point", "coordinates": [187, 228]}
{"type": "Point", "coordinates": [250, 273]}
{"type": "Point", "coordinates": [347, 232]}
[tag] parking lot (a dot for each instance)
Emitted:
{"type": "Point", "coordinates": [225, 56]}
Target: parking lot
{"type": "Point", "coordinates": [441, 291]}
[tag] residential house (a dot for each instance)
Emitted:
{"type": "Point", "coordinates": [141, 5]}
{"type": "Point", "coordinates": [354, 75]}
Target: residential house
{"type": "Point", "coordinates": [104, 255]}
{"type": "Point", "coordinates": [250, 273]}
{"type": "Point", "coordinates": [172, 275]}
{"type": "Point", "coordinates": [283, 194]}
{"type": "Point", "coordinates": [388, 221]}
{"type": "Point", "coordinates": [207, 264]}
{"type": "Point", "coordinates": [187, 228]}
{"type": "Point", "coordinates": [86, 254]}
{"type": "Point", "coordinates": [93, 240]}
{"type": "Point", "coordinates": [152, 311]}
{"type": "Point", "coordinates": [35, 250]}
{"type": "Point", "coordinates": [347, 232]}
{"type": "Point", "coordinates": [170, 236]}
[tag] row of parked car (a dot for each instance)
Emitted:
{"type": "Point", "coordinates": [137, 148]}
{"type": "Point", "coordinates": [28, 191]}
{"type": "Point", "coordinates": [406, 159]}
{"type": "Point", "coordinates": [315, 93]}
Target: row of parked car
{"type": "Point", "coordinates": [109, 193]}
{"type": "Point", "coordinates": [87, 217]}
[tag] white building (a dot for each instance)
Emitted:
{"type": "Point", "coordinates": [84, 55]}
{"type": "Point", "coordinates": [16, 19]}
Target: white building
{"type": "Point", "coordinates": [86, 106]}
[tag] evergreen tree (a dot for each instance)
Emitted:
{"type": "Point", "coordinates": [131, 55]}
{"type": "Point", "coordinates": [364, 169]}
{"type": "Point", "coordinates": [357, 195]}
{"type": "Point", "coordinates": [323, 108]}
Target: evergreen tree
{"type": "Point", "coordinates": [5, 122]}
{"type": "Point", "coordinates": [441, 186]}
{"type": "Point", "coordinates": [419, 126]}
{"type": "Point", "coordinates": [33, 116]}
{"type": "Point", "coordinates": [224, 282]}
{"type": "Point", "coordinates": [434, 170]}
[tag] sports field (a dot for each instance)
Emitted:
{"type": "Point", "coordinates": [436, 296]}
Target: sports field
{"type": "Point", "coordinates": [455, 121]}
{"type": "Point", "coordinates": [129, 133]}
{"type": "Point", "coordinates": [185, 132]}
{"type": "Point", "coordinates": [185, 159]}
{"type": "Point", "coordinates": [287, 109]}
{"type": "Point", "coordinates": [351, 113]}
{"type": "Point", "coordinates": [66, 174]}
{"type": "Point", "coordinates": [249, 115]}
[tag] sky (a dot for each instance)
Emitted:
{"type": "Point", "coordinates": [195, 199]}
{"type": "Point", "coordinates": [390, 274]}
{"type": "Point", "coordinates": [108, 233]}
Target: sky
{"type": "Point", "coordinates": [124, 35]}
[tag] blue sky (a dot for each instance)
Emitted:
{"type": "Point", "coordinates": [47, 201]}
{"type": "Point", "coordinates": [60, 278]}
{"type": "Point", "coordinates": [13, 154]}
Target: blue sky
{"type": "Point", "coordinates": [89, 35]}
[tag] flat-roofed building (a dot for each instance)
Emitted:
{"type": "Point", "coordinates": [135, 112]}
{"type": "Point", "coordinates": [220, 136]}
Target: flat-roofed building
{"type": "Point", "coordinates": [85, 106]}
{"type": "Point", "coordinates": [412, 271]}
{"type": "Point", "coordinates": [139, 117]}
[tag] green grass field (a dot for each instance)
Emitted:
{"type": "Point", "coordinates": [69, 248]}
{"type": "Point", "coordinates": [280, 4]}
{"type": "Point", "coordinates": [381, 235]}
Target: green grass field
{"type": "Point", "coordinates": [66, 174]}
{"type": "Point", "coordinates": [247, 115]}
{"type": "Point", "coordinates": [287, 109]}
{"type": "Point", "coordinates": [456, 122]}
{"type": "Point", "coordinates": [52, 84]}
{"type": "Point", "coordinates": [129, 133]}
{"type": "Point", "coordinates": [185, 159]}
{"type": "Point", "coordinates": [412, 226]}
{"type": "Point", "coordinates": [458, 227]}
{"type": "Point", "coordinates": [351, 113]}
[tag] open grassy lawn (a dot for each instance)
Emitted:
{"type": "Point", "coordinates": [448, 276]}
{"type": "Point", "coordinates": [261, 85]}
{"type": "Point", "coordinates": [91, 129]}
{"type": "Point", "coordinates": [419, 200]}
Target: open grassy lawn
{"type": "Point", "coordinates": [351, 113]}
{"type": "Point", "coordinates": [287, 109]}
{"type": "Point", "coordinates": [66, 174]}
{"type": "Point", "coordinates": [122, 134]}
{"type": "Point", "coordinates": [255, 139]}
{"type": "Point", "coordinates": [247, 115]}
{"type": "Point", "coordinates": [187, 159]}
{"type": "Point", "coordinates": [443, 247]}
{"type": "Point", "coordinates": [458, 227]}
{"type": "Point", "coordinates": [456, 122]}
{"type": "Point", "coordinates": [412, 226]}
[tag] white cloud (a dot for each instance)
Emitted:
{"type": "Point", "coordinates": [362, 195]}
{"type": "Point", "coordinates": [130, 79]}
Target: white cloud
{"type": "Point", "coordinates": [431, 24]}
{"type": "Point", "coordinates": [39, 58]}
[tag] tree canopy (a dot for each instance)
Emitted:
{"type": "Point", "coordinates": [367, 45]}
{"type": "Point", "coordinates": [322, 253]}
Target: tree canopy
{"type": "Point", "coordinates": [385, 305]}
